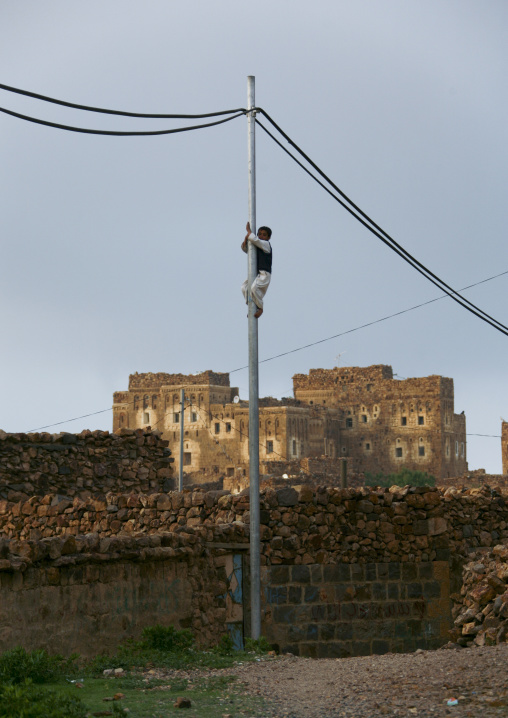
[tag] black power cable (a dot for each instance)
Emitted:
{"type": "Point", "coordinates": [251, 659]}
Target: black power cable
{"type": "Point", "coordinates": [115, 132]}
{"type": "Point", "coordinates": [380, 233]}
{"type": "Point", "coordinates": [87, 108]}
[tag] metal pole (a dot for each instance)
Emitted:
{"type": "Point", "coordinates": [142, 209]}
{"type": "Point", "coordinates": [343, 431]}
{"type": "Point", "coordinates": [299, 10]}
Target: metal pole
{"type": "Point", "coordinates": [255, 550]}
{"type": "Point", "coordinates": [180, 477]}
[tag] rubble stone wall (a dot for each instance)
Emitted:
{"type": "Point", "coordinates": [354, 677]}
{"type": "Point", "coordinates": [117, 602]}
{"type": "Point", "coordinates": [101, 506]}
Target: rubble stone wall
{"type": "Point", "coordinates": [298, 526]}
{"type": "Point", "coordinates": [89, 463]}
{"type": "Point", "coordinates": [68, 592]}
{"type": "Point", "coordinates": [357, 609]}
{"type": "Point", "coordinates": [476, 479]}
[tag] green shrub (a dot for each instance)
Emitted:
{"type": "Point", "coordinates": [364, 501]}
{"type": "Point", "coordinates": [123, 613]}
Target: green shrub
{"type": "Point", "coordinates": [167, 638]}
{"type": "Point", "coordinates": [26, 700]}
{"type": "Point", "coordinates": [225, 647]}
{"type": "Point", "coordinates": [17, 665]}
{"type": "Point", "coordinates": [403, 477]}
{"type": "Point", "coordinates": [260, 645]}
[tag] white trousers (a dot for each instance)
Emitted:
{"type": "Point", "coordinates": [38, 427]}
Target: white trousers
{"type": "Point", "coordinates": [258, 288]}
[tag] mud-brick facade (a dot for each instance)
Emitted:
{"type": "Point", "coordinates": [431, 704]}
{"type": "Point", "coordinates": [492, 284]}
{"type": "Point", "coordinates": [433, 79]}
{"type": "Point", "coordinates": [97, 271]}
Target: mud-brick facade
{"type": "Point", "coordinates": [363, 414]}
{"type": "Point", "coordinates": [385, 423]}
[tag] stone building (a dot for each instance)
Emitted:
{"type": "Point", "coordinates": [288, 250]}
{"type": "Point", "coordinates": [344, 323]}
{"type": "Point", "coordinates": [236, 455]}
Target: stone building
{"type": "Point", "coordinates": [385, 423]}
{"type": "Point", "coordinates": [504, 446]}
{"type": "Point", "coordinates": [363, 414]}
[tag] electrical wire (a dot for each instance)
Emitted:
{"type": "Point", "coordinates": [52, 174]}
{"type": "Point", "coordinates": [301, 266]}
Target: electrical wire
{"type": "Point", "coordinates": [380, 233]}
{"type": "Point", "coordinates": [363, 326]}
{"type": "Point", "coordinates": [115, 133]}
{"type": "Point", "coordinates": [293, 351]}
{"type": "Point", "coordinates": [123, 113]}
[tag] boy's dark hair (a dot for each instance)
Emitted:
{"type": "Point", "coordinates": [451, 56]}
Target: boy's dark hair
{"type": "Point", "coordinates": [267, 230]}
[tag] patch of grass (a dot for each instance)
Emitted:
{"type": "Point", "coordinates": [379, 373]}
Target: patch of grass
{"type": "Point", "coordinates": [26, 700]}
{"type": "Point", "coordinates": [211, 697]}
{"type": "Point", "coordinates": [145, 696]}
{"type": "Point", "coordinates": [17, 665]}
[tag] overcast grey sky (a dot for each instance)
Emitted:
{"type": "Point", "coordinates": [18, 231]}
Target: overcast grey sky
{"type": "Point", "coordinates": [122, 254]}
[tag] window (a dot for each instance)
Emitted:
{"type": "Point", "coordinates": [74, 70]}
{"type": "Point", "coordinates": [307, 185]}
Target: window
{"type": "Point", "coordinates": [462, 449]}
{"type": "Point", "coordinates": [364, 418]}
{"type": "Point", "coordinates": [230, 471]}
{"type": "Point", "coordinates": [367, 446]}
{"type": "Point", "coordinates": [456, 448]}
{"type": "Point", "coordinates": [403, 420]}
{"type": "Point", "coordinates": [398, 452]}
{"type": "Point", "coordinates": [176, 417]}
{"type": "Point", "coordinates": [294, 447]}
{"type": "Point", "coordinates": [421, 420]}
{"type": "Point", "coordinates": [269, 447]}
{"type": "Point", "coordinates": [228, 428]}
{"type": "Point", "coordinates": [421, 451]}
{"type": "Point", "coordinates": [194, 416]}
{"type": "Point", "coordinates": [187, 458]}
{"type": "Point", "coordinates": [146, 400]}
{"type": "Point", "coordinates": [217, 428]}
{"type": "Point", "coordinates": [349, 423]}
{"type": "Point", "coordinates": [146, 417]}
{"type": "Point", "coordinates": [369, 387]}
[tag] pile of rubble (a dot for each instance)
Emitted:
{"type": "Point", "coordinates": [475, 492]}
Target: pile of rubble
{"type": "Point", "coordinates": [481, 608]}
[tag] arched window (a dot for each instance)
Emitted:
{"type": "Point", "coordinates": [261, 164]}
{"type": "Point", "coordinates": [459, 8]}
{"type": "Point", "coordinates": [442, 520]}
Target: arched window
{"type": "Point", "coordinates": [154, 401]}
{"type": "Point", "coordinates": [146, 400]}
{"type": "Point", "coordinates": [136, 403]}
{"type": "Point", "coordinates": [122, 419]}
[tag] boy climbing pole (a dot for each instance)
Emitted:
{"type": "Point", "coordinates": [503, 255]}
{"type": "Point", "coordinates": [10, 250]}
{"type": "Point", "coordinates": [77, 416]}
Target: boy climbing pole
{"type": "Point", "coordinates": [264, 266]}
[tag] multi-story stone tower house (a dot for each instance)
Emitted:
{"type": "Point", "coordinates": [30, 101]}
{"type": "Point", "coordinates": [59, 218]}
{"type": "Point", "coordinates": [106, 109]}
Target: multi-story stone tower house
{"type": "Point", "coordinates": [380, 424]}
{"type": "Point", "coordinates": [386, 424]}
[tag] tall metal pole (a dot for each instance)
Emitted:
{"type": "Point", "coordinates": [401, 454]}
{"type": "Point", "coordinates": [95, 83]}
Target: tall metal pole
{"type": "Point", "coordinates": [255, 551]}
{"type": "Point", "coordinates": [180, 476]}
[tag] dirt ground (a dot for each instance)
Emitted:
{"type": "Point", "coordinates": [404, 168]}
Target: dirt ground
{"type": "Point", "coordinates": [413, 684]}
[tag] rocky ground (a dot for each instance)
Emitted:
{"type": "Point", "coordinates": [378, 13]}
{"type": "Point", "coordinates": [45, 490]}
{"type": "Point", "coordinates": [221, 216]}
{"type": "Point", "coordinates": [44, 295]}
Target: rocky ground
{"type": "Point", "coordinates": [412, 684]}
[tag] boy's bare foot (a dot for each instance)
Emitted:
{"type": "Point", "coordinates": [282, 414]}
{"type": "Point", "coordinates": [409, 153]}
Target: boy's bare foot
{"type": "Point", "coordinates": [258, 313]}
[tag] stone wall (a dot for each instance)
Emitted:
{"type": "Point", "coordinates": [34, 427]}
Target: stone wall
{"type": "Point", "coordinates": [89, 463]}
{"type": "Point", "coordinates": [357, 609]}
{"type": "Point", "coordinates": [476, 479]}
{"type": "Point", "coordinates": [67, 591]}
{"type": "Point", "coordinates": [304, 526]}
{"type": "Point", "coordinates": [151, 380]}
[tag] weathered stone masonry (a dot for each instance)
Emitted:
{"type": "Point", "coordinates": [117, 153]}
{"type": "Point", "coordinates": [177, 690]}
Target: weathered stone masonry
{"type": "Point", "coordinates": [92, 462]}
{"type": "Point", "coordinates": [67, 591]}
{"type": "Point", "coordinates": [356, 571]}
{"type": "Point", "coordinates": [364, 414]}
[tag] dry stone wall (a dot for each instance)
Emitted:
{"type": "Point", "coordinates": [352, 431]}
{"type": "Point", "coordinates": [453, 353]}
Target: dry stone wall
{"type": "Point", "coordinates": [476, 479]}
{"type": "Point", "coordinates": [89, 463]}
{"type": "Point", "coordinates": [298, 526]}
{"type": "Point", "coordinates": [481, 606]}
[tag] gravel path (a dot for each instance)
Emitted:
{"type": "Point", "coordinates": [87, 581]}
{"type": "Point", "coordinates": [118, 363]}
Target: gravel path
{"type": "Point", "coordinates": [411, 684]}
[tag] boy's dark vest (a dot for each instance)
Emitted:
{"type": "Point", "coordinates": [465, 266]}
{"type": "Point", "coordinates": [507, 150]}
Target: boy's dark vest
{"type": "Point", "coordinates": [264, 260]}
